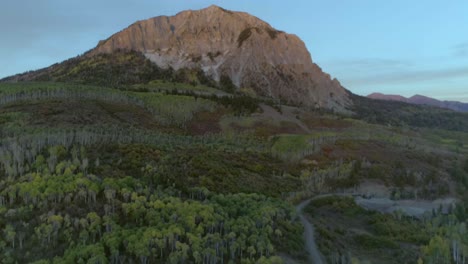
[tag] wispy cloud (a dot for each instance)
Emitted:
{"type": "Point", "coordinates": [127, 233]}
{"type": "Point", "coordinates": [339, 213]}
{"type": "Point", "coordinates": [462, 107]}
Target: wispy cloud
{"type": "Point", "coordinates": [460, 50]}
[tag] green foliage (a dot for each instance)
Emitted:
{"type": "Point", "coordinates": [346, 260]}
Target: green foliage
{"type": "Point", "coordinates": [120, 69]}
{"type": "Point", "coordinates": [400, 230]}
{"type": "Point", "coordinates": [226, 84]}
{"type": "Point", "coordinates": [240, 105]}
{"type": "Point", "coordinates": [174, 109]}
{"type": "Point", "coordinates": [160, 86]}
{"type": "Point", "coordinates": [114, 69]}
{"type": "Point", "coordinates": [217, 170]}
{"type": "Point", "coordinates": [295, 147]}
{"type": "Point", "coordinates": [345, 229]}
{"type": "Point", "coordinates": [13, 119]}
{"type": "Point", "coordinates": [438, 251]}
{"type": "Point", "coordinates": [169, 110]}
{"type": "Point", "coordinates": [70, 215]}
{"type": "Point", "coordinates": [18, 152]}
{"type": "Point", "coordinates": [342, 205]}
{"type": "Point", "coordinates": [373, 242]}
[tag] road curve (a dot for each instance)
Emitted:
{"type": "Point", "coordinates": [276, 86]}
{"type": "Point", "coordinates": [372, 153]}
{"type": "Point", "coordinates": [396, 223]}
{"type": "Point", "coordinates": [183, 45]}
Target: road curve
{"type": "Point", "coordinates": [315, 256]}
{"type": "Point", "coordinates": [410, 207]}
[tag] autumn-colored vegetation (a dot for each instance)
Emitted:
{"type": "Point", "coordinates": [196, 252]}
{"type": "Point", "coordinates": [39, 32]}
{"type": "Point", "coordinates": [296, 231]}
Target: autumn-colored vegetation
{"type": "Point", "coordinates": [124, 162]}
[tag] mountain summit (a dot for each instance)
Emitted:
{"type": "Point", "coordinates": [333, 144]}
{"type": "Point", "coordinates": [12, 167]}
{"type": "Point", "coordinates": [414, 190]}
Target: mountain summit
{"type": "Point", "coordinates": [234, 44]}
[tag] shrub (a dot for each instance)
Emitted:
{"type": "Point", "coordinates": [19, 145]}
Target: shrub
{"type": "Point", "coordinates": [374, 242]}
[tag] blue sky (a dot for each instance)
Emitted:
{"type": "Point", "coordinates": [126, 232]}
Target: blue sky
{"type": "Point", "coordinates": [397, 47]}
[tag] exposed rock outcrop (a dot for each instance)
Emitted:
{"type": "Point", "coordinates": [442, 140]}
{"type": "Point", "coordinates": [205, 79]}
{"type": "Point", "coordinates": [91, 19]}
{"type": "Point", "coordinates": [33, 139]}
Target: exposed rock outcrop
{"type": "Point", "coordinates": [236, 44]}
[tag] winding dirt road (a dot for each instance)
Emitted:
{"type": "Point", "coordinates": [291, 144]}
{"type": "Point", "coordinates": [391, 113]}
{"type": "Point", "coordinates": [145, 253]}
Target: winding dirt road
{"type": "Point", "coordinates": [315, 256]}
{"type": "Point", "coordinates": [383, 205]}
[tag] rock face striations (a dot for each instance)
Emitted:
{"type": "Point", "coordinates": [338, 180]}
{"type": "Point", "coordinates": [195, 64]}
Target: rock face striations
{"type": "Point", "coordinates": [235, 44]}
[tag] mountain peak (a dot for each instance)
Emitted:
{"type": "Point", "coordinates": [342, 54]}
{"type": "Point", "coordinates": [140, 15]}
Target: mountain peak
{"type": "Point", "coordinates": [214, 7]}
{"type": "Point", "coordinates": [237, 45]}
{"type": "Point", "coordinates": [392, 97]}
{"type": "Point", "coordinates": [418, 96]}
{"type": "Point", "coordinates": [210, 9]}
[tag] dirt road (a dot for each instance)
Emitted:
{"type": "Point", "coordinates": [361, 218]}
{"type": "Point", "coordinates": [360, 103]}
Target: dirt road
{"type": "Point", "coordinates": [314, 254]}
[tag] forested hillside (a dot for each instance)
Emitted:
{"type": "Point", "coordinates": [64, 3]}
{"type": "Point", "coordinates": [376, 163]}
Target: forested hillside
{"type": "Point", "coordinates": [112, 160]}
{"type": "Point", "coordinates": [406, 114]}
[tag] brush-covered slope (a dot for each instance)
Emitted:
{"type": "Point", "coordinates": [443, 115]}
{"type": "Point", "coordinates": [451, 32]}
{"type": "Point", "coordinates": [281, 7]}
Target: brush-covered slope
{"type": "Point", "coordinates": [397, 113]}
{"type": "Point", "coordinates": [116, 69]}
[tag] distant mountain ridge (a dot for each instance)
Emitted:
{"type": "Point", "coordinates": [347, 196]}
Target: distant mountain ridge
{"type": "Point", "coordinates": [422, 100]}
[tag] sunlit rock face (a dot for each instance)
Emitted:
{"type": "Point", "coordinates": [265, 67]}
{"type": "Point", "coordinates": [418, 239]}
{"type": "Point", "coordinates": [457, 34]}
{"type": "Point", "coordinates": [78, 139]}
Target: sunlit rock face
{"type": "Point", "coordinates": [248, 50]}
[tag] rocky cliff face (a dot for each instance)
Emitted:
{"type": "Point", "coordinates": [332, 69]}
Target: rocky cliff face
{"type": "Point", "coordinates": [245, 48]}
